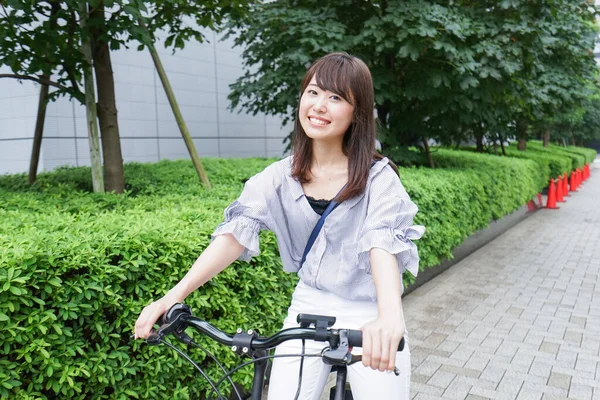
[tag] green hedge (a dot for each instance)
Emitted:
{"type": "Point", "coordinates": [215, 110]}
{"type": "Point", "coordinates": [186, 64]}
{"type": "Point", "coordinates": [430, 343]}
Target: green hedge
{"type": "Point", "coordinates": [552, 165]}
{"type": "Point", "coordinates": [588, 154]}
{"type": "Point", "coordinates": [464, 195]}
{"type": "Point", "coordinates": [79, 266]}
{"type": "Point", "coordinates": [578, 159]}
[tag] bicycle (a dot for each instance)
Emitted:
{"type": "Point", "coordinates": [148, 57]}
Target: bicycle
{"type": "Point", "coordinates": [248, 343]}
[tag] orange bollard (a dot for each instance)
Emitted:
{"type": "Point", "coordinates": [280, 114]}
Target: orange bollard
{"type": "Point", "coordinates": [586, 170]}
{"type": "Point", "coordinates": [572, 182]}
{"type": "Point", "coordinates": [579, 180]}
{"type": "Point", "coordinates": [559, 190]}
{"type": "Point", "coordinates": [540, 201]}
{"type": "Point", "coordinates": [551, 203]}
{"type": "Point", "coordinates": [565, 185]}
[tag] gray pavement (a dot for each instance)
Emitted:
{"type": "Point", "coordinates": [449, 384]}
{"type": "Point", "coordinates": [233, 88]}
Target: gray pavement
{"type": "Point", "coordinates": [519, 318]}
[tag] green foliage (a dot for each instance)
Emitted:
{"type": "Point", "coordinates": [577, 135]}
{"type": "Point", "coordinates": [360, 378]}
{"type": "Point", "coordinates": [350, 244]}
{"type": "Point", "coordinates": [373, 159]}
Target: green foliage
{"type": "Point", "coordinates": [577, 159]}
{"type": "Point", "coordinates": [441, 70]}
{"type": "Point", "coordinates": [462, 196]}
{"type": "Point", "coordinates": [551, 164]}
{"type": "Point", "coordinates": [79, 266]}
{"type": "Point", "coordinates": [44, 37]}
{"type": "Point", "coordinates": [588, 154]}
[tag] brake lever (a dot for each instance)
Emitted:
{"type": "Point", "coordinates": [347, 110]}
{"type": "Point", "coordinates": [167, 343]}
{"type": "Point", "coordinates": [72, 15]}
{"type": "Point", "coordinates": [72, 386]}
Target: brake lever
{"type": "Point", "coordinates": [358, 357]}
{"type": "Point", "coordinates": [172, 325]}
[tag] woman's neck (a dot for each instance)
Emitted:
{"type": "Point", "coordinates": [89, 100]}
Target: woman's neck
{"type": "Point", "coordinates": [327, 155]}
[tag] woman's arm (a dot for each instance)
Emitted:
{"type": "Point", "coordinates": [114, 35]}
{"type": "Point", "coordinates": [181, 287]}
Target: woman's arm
{"type": "Point", "coordinates": [224, 250]}
{"type": "Point", "coordinates": [382, 336]}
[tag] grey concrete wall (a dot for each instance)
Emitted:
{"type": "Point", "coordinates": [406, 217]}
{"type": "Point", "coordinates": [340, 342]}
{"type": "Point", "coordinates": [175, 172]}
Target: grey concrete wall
{"type": "Point", "coordinates": [200, 75]}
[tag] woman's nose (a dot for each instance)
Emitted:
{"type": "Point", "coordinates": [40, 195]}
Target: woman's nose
{"type": "Point", "coordinates": [320, 104]}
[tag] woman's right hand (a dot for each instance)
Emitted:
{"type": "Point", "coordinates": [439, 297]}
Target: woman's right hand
{"type": "Point", "coordinates": [151, 313]}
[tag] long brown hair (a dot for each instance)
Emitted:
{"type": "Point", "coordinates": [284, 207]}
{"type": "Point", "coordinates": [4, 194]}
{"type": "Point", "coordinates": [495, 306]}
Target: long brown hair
{"type": "Point", "coordinates": [350, 78]}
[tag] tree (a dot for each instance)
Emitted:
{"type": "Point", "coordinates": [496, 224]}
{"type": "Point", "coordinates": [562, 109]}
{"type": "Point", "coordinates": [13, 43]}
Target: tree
{"type": "Point", "coordinates": [443, 70]}
{"type": "Point", "coordinates": [37, 43]}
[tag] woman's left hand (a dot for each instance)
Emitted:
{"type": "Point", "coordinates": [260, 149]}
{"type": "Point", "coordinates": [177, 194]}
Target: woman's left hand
{"type": "Point", "coordinates": [381, 338]}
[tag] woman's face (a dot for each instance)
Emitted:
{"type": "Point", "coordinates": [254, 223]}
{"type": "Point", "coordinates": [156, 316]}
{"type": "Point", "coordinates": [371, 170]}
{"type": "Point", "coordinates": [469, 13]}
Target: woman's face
{"type": "Point", "coordinates": [324, 115]}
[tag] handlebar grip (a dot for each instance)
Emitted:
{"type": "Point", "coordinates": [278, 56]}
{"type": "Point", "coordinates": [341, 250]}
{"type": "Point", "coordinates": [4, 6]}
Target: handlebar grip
{"type": "Point", "coordinates": [173, 313]}
{"type": "Point", "coordinates": [355, 339]}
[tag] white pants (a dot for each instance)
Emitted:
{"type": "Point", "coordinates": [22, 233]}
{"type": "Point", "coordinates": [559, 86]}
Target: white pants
{"type": "Point", "coordinates": [366, 383]}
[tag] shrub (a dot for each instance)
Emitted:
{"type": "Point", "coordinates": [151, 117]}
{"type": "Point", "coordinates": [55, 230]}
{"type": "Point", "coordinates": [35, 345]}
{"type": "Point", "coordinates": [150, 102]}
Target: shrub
{"type": "Point", "coordinates": [74, 283]}
{"type": "Point", "coordinates": [467, 192]}
{"type": "Point", "coordinates": [552, 165]}
{"type": "Point", "coordinates": [577, 159]}
{"type": "Point", "coordinates": [76, 268]}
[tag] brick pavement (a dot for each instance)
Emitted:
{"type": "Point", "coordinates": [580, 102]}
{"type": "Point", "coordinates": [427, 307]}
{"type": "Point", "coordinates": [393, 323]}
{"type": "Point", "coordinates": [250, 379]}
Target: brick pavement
{"type": "Point", "coordinates": [519, 318]}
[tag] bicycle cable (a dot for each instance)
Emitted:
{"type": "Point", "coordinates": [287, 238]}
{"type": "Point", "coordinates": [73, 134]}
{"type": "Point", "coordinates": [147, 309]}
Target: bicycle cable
{"type": "Point", "coordinates": [208, 397]}
{"type": "Point", "coordinates": [180, 352]}
{"type": "Point", "coordinates": [208, 353]}
{"type": "Point", "coordinates": [300, 372]}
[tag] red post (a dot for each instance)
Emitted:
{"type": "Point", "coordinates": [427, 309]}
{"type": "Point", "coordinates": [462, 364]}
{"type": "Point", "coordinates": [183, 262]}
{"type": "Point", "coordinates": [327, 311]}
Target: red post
{"type": "Point", "coordinates": [559, 190]}
{"type": "Point", "coordinates": [565, 185]}
{"type": "Point", "coordinates": [551, 203]}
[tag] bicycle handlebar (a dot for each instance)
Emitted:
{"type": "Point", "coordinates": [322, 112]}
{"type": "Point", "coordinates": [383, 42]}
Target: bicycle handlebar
{"type": "Point", "coordinates": [180, 317]}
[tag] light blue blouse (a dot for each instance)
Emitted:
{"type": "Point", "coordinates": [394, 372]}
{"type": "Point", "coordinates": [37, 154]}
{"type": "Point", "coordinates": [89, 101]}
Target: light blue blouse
{"type": "Point", "coordinates": [339, 260]}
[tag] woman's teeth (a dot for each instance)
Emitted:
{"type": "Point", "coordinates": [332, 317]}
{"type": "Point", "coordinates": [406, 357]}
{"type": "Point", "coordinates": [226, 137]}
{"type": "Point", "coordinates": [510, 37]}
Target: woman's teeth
{"type": "Point", "coordinates": [318, 121]}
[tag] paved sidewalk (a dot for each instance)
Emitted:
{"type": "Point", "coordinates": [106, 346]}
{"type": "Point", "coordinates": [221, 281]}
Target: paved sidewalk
{"type": "Point", "coordinates": [519, 318]}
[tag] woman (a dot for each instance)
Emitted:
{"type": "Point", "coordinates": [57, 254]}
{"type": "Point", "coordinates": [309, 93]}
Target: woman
{"type": "Point", "coordinates": [353, 270]}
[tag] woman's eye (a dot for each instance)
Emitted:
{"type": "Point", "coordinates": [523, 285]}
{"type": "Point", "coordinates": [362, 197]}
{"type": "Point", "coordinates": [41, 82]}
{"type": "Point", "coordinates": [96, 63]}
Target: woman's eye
{"type": "Point", "coordinates": [336, 98]}
{"type": "Point", "coordinates": [311, 91]}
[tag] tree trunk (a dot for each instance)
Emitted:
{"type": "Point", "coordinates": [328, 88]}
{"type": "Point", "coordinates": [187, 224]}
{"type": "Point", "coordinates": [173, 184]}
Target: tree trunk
{"type": "Point", "coordinates": [521, 135]}
{"type": "Point", "coordinates": [114, 179]}
{"type": "Point", "coordinates": [41, 114]}
{"type": "Point", "coordinates": [187, 138]}
{"type": "Point", "coordinates": [495, 146]}
{"type": "Point", "coordinates": [39, 131]}
{"type": "Point", "coordinates": [382, 114]}
{"type": "Point", "coordinates": [428, 152]}
{"type": "Point", "coordinates": [90, 107]}
{"type": "Point", "coordinates": [501, 140]}
{"type": "Point", "coordinates": [546, 138]}
{"type": "Point", "coordinates": [479, 140]}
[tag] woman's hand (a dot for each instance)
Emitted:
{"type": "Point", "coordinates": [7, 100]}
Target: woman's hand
{"type": "Point", "coordinates": [151, 313]}
{"type": "Point", "coordinates": [381, 338]}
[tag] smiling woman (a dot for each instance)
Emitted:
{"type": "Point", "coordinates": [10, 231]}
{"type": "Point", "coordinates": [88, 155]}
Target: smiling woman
{"type": "Point", "coordinates": [336, 108]}
{"type": "Point", "coordinates": [352, 267]}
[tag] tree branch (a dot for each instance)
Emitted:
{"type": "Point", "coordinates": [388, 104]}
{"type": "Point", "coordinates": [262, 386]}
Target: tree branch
{"type": "Point", "coordinates": [70, 73]}
{"type": "Point", "coordinates": [35, 79]}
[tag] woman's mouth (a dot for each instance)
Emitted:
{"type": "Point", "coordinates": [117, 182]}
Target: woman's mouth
{"type": "Point", "coordinates": [318, 121]}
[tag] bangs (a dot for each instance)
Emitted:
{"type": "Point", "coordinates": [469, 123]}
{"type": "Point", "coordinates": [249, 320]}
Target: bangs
{"type": "Point", "coordinates": [335, 75]}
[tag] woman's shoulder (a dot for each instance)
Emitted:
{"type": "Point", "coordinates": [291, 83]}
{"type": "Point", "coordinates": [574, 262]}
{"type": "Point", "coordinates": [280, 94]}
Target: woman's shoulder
{"type": "Point", "coordinates": [383, 178]}
{"type": "Point", "coordinates": [279, 167]}
{"type": "Point", "coordinates": [274, 172]}
{"type": "Point", "coordinates": [383, 171]}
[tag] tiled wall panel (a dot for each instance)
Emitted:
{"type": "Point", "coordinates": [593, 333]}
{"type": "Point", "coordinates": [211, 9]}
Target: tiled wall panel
{"type": "Point", "coordinates": [200, 76]}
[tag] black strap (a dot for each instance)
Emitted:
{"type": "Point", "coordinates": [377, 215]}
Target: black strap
{"type": "Point", "coordinates": [315, 232]}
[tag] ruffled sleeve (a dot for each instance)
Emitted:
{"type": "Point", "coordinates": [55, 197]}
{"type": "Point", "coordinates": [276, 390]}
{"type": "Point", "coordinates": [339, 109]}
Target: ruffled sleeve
{"type": "Point", "coordinates": [250, 213]}
{"type": "Point", "coordinates": [389, 223]}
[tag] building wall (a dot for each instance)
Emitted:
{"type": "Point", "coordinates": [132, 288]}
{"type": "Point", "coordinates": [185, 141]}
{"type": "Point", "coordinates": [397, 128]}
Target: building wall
{"type": "Point", "coordinates": [200, 76]}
